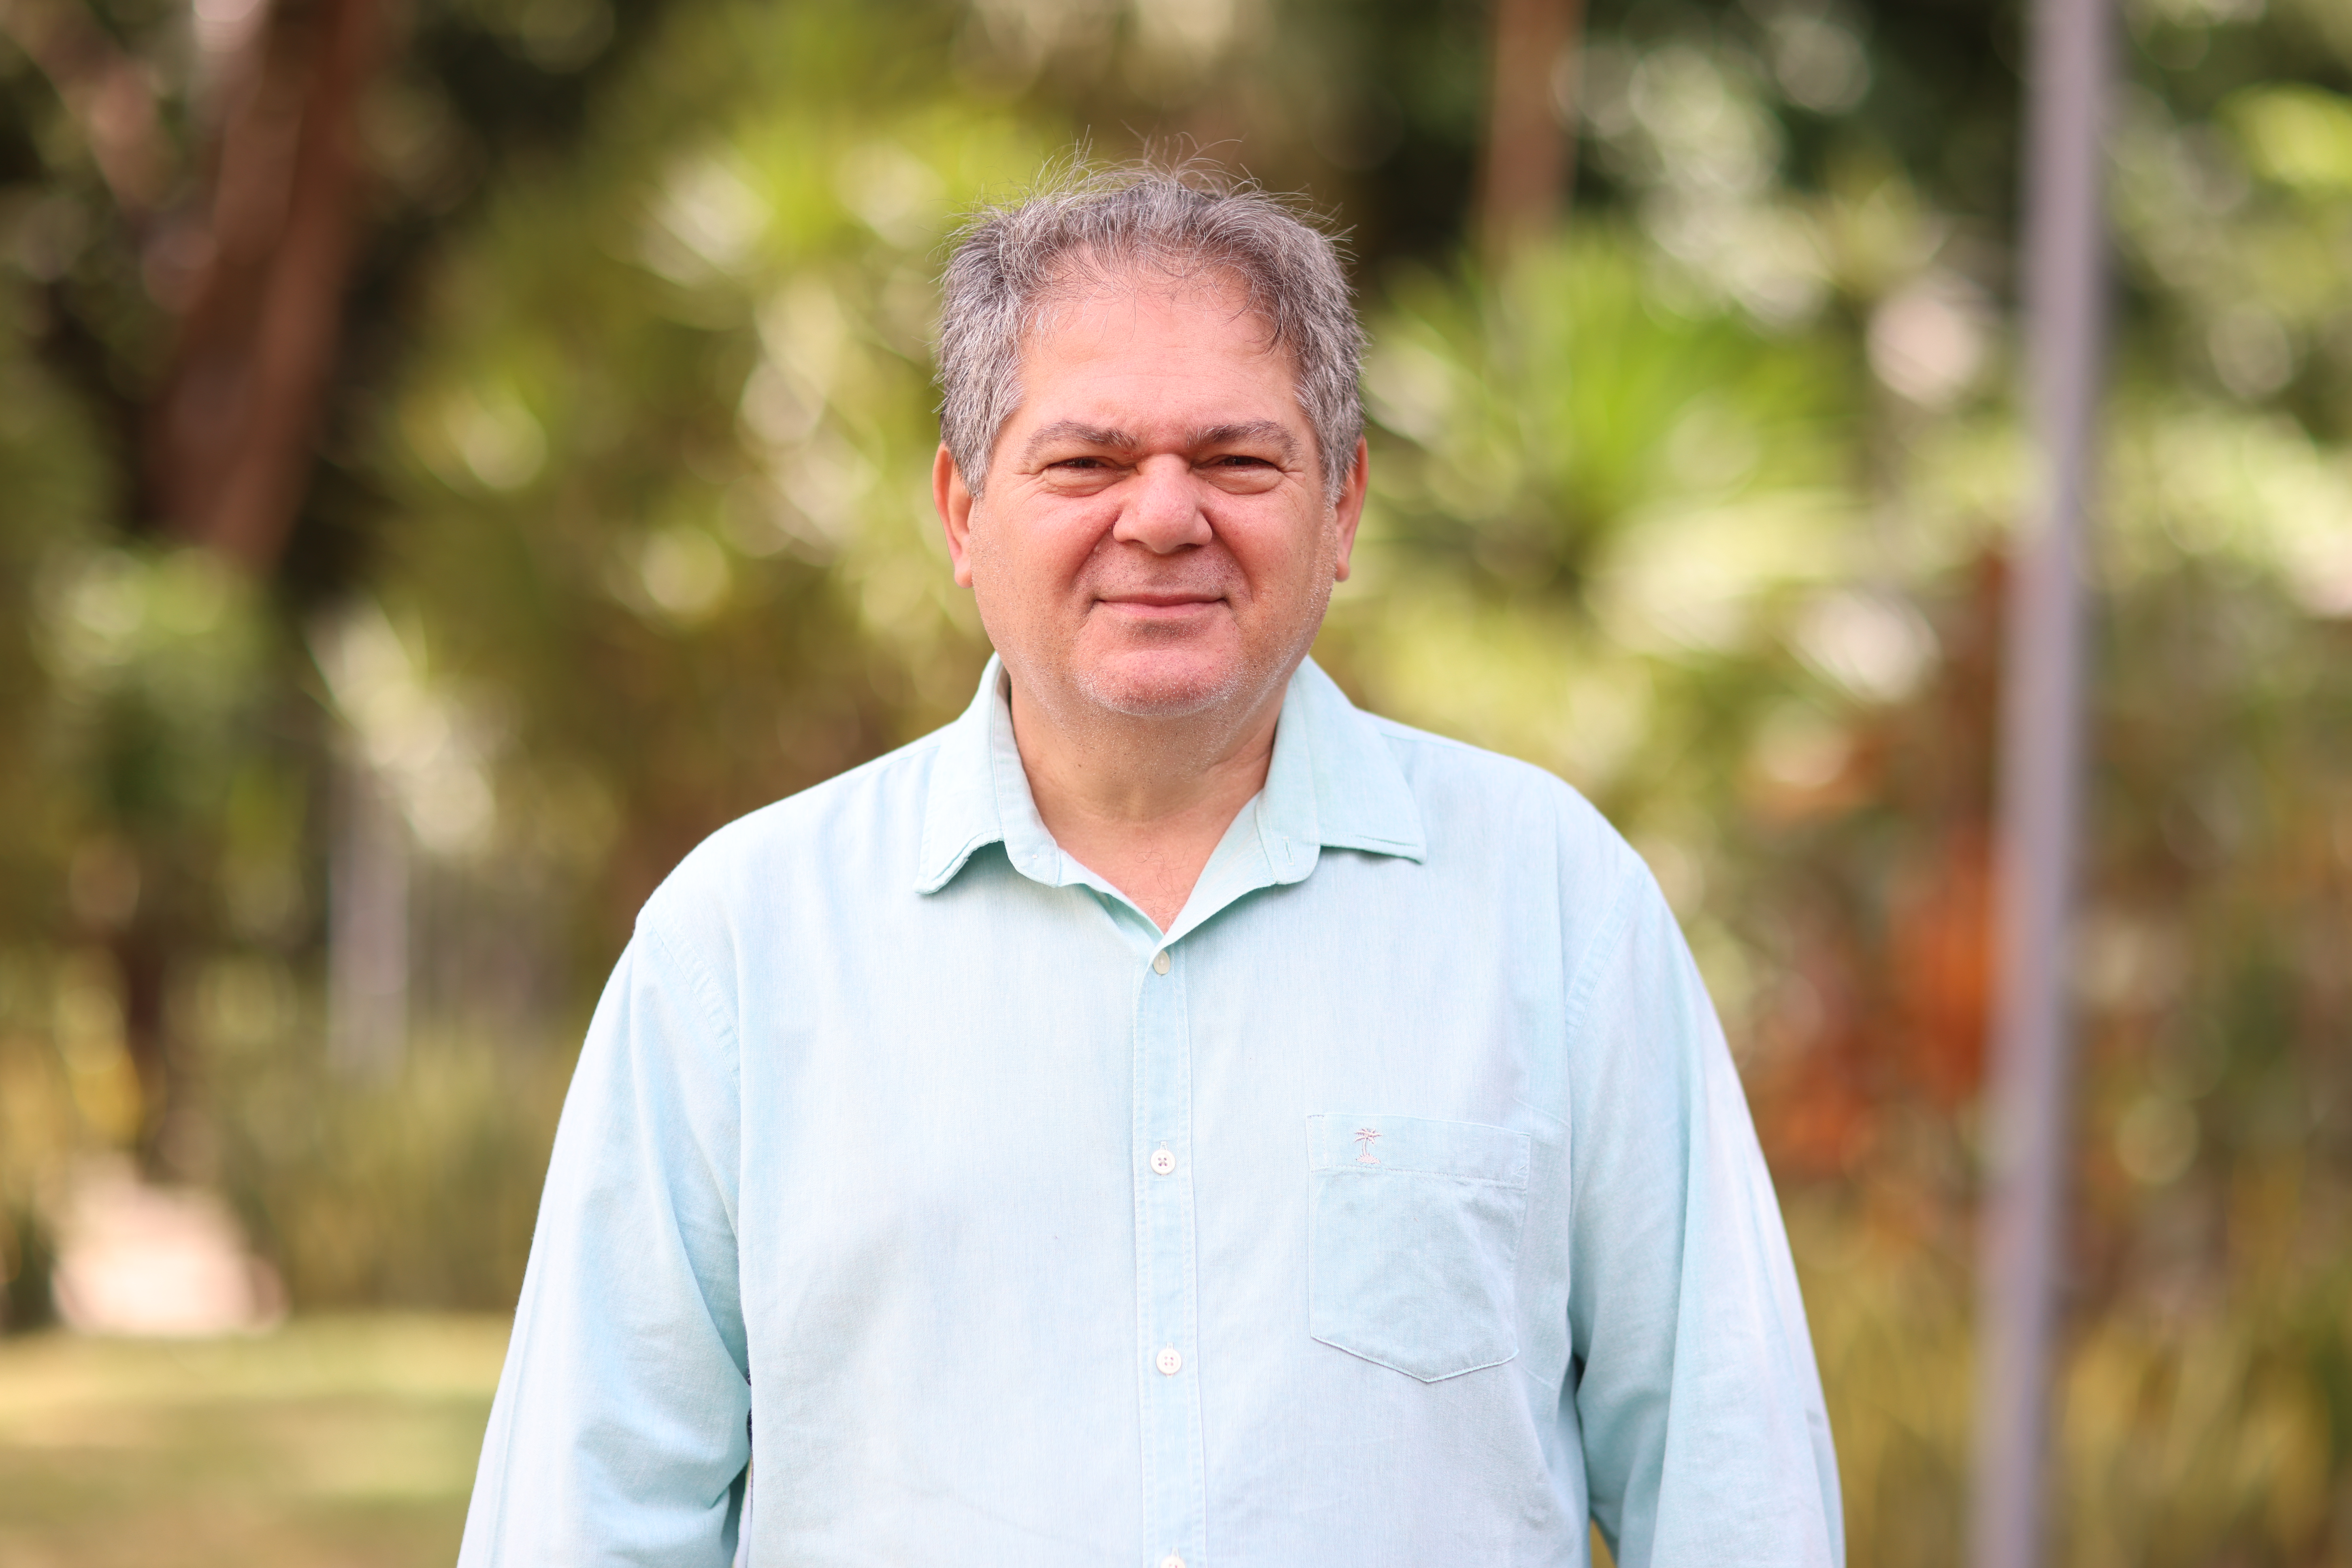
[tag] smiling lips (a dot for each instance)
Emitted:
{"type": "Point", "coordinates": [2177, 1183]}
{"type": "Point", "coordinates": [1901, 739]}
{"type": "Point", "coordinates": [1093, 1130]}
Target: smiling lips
{"type": "Point", "coordinates": [1160, 608]}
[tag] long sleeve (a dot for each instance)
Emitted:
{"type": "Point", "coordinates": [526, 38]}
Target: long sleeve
{"type": "Point", "coordinates": [618, 1434]}
{"type": "Point", "coordinates": [1705, 1437]}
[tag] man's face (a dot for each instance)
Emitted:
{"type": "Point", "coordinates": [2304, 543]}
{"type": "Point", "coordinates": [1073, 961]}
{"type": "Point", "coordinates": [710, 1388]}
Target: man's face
{"type": "Point", "coordinates": [1154, 539]}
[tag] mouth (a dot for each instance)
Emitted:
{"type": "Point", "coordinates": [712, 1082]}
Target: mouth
{"type": "Point", "coordinates": [1149, 607]}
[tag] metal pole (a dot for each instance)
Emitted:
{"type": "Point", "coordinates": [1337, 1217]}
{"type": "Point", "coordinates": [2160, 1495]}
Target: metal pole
{"type": "Point", "coordinates": [2040, 781]}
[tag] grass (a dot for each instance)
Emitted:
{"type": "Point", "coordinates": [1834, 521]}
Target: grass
{"type": "Point", "coordinates": [332, 1442]}
{"type": "Point", "coordinates": [349, 1442]}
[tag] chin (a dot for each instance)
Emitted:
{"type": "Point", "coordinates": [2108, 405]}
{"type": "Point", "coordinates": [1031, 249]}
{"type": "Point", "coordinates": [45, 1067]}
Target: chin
{"type": "Point", "coordinates": [1164, 687]}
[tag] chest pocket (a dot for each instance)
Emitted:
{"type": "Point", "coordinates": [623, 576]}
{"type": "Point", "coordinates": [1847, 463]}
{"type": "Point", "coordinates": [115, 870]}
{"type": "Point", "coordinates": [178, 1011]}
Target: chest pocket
{"type": "Point", "coordinates": [1413, 1240]}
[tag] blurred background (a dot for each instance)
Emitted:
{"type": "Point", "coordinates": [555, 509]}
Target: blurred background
{"type": "Point", "coordinates": [454, 454]}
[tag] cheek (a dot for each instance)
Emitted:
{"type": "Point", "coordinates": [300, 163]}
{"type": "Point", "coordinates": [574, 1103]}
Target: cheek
{"type": "Point", "coordinates": [1295, 557]}
{"type": "Point", "coordinates": [1001, 615]}
{"type": "Point", "coordinates": [1053, 550]}
{"type": "Point", "coordinates": [1023, 567]}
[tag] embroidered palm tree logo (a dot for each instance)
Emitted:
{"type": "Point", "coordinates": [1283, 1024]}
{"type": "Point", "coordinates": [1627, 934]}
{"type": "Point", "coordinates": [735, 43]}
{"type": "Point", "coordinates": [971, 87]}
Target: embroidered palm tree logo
{"type": "Point", "coordinates": [1364, 1136]}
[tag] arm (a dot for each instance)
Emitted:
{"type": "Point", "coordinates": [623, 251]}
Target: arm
{"type": "Point", "coordinates": [618, 1433]}
{"type": "Point", "coordinates": [1705, 1438]}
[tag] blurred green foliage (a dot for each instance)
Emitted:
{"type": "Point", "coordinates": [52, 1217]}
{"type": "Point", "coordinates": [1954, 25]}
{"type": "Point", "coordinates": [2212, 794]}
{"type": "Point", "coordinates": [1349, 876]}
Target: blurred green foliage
{"type": "Point", "coordinates": [417, 1192]}
{"type": "Point", "coordinates": [622, 529]}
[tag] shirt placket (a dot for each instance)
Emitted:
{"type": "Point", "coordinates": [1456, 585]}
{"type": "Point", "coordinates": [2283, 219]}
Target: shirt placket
{"type": "Point", "coordinates": [1167, 1296]}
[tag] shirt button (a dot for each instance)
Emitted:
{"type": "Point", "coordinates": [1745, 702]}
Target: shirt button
{"type": "Point", "coordinates": [1171, 1561]}
{"type": "Point", "coordinates": [1159, 961]}
{"type": "Point", "coordinates": [1169, 1362]}
{"type": "Point", "coordinates": [1162, 1160]}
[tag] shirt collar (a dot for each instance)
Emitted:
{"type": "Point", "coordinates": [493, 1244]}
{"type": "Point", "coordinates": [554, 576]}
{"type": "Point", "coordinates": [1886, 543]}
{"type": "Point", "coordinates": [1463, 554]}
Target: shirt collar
{"type": "Point", "coordinates": [1332, 783]}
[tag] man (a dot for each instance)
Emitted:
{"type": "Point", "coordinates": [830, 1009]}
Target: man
{"type": "Point", "coordinates": [1167, 1117]}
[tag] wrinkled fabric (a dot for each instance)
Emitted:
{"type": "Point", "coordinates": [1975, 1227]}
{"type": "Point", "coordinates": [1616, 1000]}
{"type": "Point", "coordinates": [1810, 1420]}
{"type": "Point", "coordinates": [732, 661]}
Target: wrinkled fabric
{"type": "Point", "coordinates": [917, 1200]}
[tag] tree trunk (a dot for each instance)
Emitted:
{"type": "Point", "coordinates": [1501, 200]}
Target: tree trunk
{"type": "Point", "coordinates": [1530, 155]}
{"type": "Point", "coordinates": [230, 434]}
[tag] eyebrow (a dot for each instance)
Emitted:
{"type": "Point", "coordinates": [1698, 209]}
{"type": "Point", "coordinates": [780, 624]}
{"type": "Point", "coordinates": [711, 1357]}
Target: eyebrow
{"type": "Point", "coordinates": [1086, 435]}
{"type": "Point", "coordinates": [1248, 430]}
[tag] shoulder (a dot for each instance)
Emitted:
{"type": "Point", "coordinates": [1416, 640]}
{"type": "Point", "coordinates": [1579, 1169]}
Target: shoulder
{"type": "Point", "coordinates": [855, 831]}
{"type": "Point", "coordinates": [1505, 835]}
{"type": "Point", "coordinates": [1464, 788]}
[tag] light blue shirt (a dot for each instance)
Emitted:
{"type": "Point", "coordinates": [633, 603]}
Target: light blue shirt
{"type": "Point", "coordinates": [1398, 1206]}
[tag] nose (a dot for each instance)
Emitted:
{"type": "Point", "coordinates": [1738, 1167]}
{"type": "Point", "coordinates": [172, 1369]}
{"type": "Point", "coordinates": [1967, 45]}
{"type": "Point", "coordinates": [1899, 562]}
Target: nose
{"type": "Point", "coordinates": [1162, 510]}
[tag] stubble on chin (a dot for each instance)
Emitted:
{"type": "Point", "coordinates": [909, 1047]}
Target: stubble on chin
{"type": "Point", "coordinates": [1143, 694]}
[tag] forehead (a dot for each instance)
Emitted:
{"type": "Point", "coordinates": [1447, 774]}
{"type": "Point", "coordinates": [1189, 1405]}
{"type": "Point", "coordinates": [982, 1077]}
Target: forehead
{"type": "Point", "coordinates": [1152, 334]}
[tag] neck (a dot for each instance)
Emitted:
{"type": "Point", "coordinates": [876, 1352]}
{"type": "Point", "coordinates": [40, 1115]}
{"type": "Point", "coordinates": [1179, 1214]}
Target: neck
{"type": "Point", "coordinates": [1143, 802]}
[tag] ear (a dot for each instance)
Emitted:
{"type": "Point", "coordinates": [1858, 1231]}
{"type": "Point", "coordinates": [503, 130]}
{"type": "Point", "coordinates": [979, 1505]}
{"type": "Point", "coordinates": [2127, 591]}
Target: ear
{"type": "Point", "coordinates": [1349, 512]}
{"type": "Point", "coordinates": [953, 499]}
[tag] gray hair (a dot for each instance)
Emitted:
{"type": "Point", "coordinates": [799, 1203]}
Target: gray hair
{"type": "Point", "coordinates": [1013, 261]}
